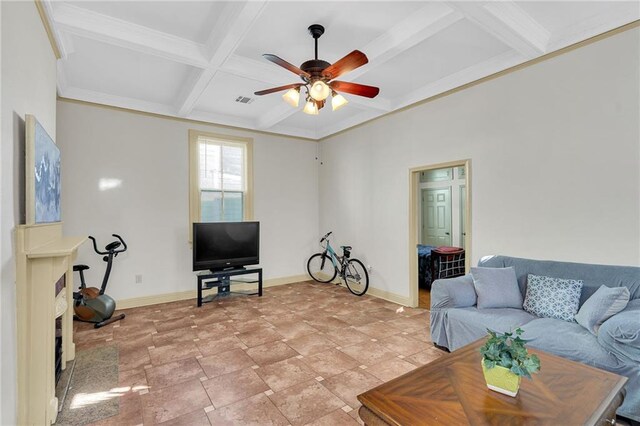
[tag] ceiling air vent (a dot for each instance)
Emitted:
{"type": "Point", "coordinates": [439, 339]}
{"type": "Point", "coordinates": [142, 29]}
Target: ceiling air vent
{"type": "Point", "coordinates": [244, 100]}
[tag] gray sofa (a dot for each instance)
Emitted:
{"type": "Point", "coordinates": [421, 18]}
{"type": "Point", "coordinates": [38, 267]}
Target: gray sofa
{"type": "Point", "coordinates": [456, 321]}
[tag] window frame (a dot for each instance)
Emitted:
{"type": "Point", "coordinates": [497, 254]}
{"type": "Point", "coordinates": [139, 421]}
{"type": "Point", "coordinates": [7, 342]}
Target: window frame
{"type": "Point", "coordinates": [194, 173]}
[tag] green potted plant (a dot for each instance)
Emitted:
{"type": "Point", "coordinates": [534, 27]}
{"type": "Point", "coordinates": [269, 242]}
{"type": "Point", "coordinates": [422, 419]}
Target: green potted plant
{"type": "Point", "coordinates": [505, 360]}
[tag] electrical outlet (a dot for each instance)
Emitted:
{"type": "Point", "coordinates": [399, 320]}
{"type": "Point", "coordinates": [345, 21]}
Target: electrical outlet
{"type": "Point", "coordinates": [138, 279]}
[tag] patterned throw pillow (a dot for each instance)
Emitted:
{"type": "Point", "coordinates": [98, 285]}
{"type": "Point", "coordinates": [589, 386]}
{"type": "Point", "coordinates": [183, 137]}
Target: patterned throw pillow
{"type": "Point", "coordinates": [549, 297]}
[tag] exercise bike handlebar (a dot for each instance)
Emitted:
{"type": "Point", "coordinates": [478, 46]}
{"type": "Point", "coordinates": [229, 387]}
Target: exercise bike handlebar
{"type": "Point", "coordinates": [326, 236]}
{"type": "Point", "coordinates": [122, 241]}
{"type": "Point", "coordinates": [95, 246]}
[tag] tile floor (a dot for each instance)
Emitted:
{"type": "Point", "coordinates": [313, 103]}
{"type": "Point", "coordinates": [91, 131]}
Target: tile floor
{"type": "Point", "coordinates": [298, 355]}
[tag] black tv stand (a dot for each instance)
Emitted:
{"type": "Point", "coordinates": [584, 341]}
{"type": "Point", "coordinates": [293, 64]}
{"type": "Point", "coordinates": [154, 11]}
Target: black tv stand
{"type": "Point", "coordinates": [229, 269]}
{"type": "Point", "coordinates": [222, 280]}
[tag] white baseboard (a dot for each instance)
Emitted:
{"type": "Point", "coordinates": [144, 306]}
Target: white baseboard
{"type": "Point", "coordinates": [192, 294]}
{"type": "Point", "coordinates": [381, 294]}
{"type": "Point", "coordinates": [391, 297]}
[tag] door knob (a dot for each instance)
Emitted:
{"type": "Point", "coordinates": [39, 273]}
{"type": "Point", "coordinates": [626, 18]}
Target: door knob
{"type": "Point", "coordinates": [447, 233]}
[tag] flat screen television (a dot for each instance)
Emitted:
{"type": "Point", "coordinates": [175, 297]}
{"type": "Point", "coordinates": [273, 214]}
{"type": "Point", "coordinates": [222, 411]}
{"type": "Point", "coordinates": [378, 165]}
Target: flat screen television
{"type": "Point", "coordinates": [225, 245]}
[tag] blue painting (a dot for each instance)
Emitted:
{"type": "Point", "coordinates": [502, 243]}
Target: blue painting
{"type": "Point", "coordinates": [47, 177]}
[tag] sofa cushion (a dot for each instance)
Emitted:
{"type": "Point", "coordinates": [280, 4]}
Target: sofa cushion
{"type": "Point", "coordinates": [569, 340]}
{"type": "Point", "coordinates": [602, 305]}
{"type": "Point", "coordinates": [549, 297]}
{"type": "Point", "coordinates": [496, 288]}
{"type": "Point", "coordinates": [621, 333]}
{"type": "Point", "coordinates": [464, 325]}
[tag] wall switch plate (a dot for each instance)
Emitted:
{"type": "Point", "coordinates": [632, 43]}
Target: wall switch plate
{"type": "Point", "coordinates": [138, 279]}
{"type": "Point", "coordinates": [369, 268]}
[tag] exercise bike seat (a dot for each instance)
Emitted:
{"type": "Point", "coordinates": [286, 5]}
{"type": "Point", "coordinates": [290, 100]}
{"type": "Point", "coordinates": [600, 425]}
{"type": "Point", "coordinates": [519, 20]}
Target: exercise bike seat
{"type": "Point", "coordinates": [80, 267]}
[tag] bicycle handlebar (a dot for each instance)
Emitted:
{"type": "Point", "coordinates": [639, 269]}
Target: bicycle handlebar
{"type": "Point", "coordinates": [326, 236]}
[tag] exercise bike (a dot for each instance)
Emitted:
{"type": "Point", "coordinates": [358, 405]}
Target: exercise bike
{"type": "Point", "coordinates": [90, 303]}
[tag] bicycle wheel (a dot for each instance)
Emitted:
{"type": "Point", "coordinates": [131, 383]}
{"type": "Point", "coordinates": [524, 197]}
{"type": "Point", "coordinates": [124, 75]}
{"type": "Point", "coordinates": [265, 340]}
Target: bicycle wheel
{"type": "Point", "coordinates": [356, 277]}
{"type": "Point", "coordinates": [321, 268]}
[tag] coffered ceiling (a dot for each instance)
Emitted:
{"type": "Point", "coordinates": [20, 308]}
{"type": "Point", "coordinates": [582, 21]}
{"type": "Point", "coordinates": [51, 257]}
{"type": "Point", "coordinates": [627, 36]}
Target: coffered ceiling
{"type": "Point", "coordinates": [194, 59]}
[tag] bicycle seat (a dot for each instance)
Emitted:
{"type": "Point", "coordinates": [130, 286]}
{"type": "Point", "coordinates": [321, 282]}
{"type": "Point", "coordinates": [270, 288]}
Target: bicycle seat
{"type": "Point", "coordinates": [346, 247]}
{"type": "Point", "coordinates": [80, 267]}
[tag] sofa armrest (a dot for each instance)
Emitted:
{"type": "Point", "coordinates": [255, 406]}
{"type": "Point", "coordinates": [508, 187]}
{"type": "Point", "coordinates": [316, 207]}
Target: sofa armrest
{"type": "Point", "coordinates": [456, 292]}
{"type": "Point", "coordinates": [621, 333]}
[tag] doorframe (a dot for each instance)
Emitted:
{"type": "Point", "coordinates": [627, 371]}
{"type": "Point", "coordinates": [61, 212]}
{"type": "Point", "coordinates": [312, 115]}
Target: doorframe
{"type": "Point", "coordinates": [414, 201]}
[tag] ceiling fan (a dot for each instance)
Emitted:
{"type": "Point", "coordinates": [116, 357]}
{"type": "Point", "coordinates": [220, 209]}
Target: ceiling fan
{"type": "Point", "coordinates": [318, 77]}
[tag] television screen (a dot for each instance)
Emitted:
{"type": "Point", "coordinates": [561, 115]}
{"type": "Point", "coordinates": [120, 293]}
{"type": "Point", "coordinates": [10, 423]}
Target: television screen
{"type": "Point", "coordinates": [221, 245]}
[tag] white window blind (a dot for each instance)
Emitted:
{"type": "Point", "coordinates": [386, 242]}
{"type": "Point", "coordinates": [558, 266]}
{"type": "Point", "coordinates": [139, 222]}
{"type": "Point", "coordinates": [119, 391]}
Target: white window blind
{"type": "Point", "coordinates": [222, 178]}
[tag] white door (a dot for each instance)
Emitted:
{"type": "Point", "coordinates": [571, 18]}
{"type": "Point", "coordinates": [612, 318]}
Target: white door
{"type": "Point", "coordinates": [436, 217]}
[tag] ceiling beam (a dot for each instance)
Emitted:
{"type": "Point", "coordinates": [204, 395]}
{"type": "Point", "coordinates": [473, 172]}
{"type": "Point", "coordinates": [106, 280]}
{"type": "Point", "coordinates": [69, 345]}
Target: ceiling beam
{"type": "Point", "coordinates": [521, 22]}
{"type": "Point", "coordinates": [97, 26]}
{"type": "Point", "coordinates": [508, 23]}
{"type": "Point", "coordinates": [224, 39]}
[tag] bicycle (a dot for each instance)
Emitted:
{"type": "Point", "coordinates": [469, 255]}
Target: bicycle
{"type": "Point", "coordinates": [325, 266]}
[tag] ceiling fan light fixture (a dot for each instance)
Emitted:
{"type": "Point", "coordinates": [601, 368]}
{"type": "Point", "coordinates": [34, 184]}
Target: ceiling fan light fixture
{"type": "Point", "coordinates": [319, 90]}
{"type": "Point", "coordinates": [337, 101]}
{"type": "Point", "coordinates": [319, 79]}
{"type": "Point", "coordinates": [292, 97]}
{"type": "Point", "coordinates": [310, 107]}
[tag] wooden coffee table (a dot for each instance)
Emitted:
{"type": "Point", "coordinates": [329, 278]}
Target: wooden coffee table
{"type": "Point", "coordinates": [451, 390]}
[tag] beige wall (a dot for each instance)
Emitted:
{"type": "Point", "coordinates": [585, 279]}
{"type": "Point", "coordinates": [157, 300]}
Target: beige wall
{"type": "Point", "coordinates": [28, 87]}
{"type": "Point", "coordinates": [151, 207]}
{"type": "Point", "coordinates": [555, 167]}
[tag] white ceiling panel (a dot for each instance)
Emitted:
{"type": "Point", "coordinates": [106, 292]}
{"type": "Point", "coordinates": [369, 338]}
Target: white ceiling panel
{"type": "Point", "coordinates": [193, 59]}
{"type": "Point", "coordinates": [221, 94]}
{"type": "Point", "coordinates": [192, 20]}
{"type": "Point", "coordinates": [113, 70]}
{"type": "Point", "coordinates": [455, 48]}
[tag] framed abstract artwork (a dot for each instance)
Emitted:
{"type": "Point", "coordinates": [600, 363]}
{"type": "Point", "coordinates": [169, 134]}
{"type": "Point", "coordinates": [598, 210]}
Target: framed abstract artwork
{"type": "Point", "coordinates": [42, 169]}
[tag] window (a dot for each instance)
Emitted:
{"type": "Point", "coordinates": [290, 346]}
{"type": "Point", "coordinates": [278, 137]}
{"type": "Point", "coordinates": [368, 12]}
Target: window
{"type": "Point", "coordinates": [220, 178]}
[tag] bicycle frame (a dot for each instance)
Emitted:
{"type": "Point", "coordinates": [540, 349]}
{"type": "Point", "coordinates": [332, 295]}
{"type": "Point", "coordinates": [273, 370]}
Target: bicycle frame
{"type": "Point", "coordinates": [335, 259]}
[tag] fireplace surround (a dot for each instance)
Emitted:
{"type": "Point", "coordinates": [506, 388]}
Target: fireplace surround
{"type": "Point", "coordinates": [43, 256]}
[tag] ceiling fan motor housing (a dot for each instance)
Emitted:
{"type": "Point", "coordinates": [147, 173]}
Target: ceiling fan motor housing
{"type": "Point", "coordinates": [314, 67]}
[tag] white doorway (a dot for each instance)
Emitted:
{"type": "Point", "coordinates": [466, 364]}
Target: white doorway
{"type": "Point", "coordinates": [439, 215]}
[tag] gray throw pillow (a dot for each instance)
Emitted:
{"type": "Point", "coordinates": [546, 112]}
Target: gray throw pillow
{"type": "Point", "coordinates": [496, 288]}
{"type": "Point", "coordinates": [549, 297]}
{"type": "Point", "coordinates": [602, 305]}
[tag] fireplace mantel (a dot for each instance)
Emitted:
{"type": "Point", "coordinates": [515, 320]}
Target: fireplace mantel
{"type": "Point", "coordinates": [43, 255]}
